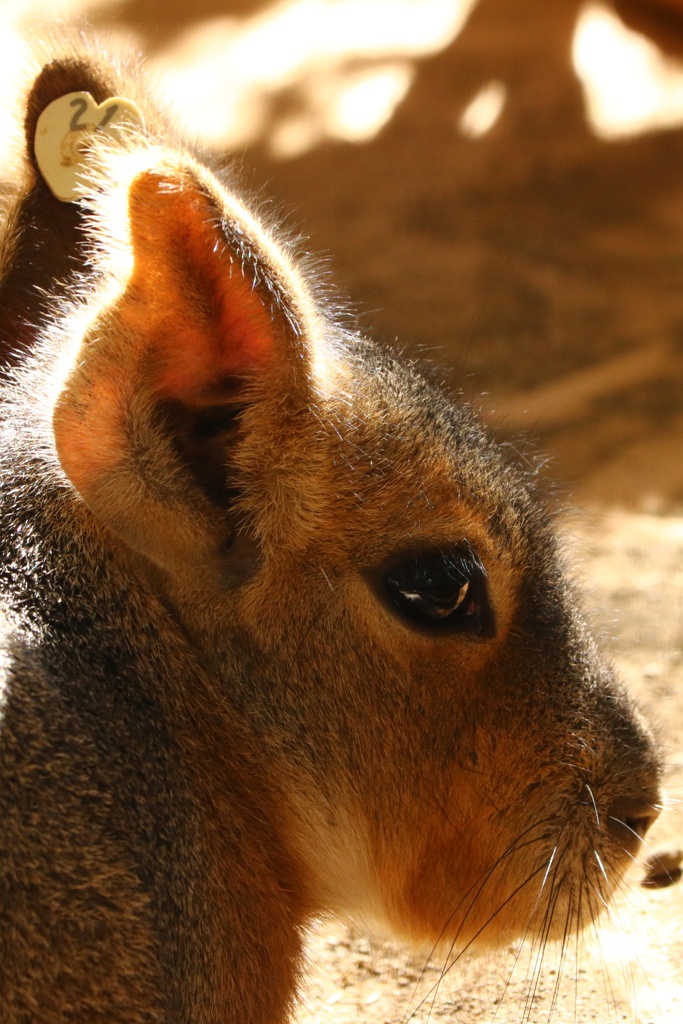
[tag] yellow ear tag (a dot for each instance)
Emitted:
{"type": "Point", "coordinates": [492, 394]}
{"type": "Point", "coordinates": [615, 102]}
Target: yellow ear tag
{"type": "Point", "coordinates": [63, 131]}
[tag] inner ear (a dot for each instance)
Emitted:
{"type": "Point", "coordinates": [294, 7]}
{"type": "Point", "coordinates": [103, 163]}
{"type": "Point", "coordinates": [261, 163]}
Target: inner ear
{"type": "Point", "coordinates": [209, 308]}
{"type": "Point", "coordinates": [203, 441]}
{"type": "Point", "coordinates": [193, 330]}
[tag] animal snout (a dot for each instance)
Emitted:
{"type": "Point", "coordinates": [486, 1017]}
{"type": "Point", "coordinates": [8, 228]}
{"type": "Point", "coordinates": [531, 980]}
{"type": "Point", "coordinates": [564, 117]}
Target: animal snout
{"type": "Point", "coordinates": [628, 770]}
{"type": "Point", "coordinates": [630, 817]}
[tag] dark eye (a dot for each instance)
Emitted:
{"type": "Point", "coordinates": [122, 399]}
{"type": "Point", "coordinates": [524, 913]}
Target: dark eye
{"type": "Point", "coordinates": [444, 589]}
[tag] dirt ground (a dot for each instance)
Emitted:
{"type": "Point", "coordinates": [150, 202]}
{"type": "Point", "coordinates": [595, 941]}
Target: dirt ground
{"type": "Point", "coordinates": [540, 264]}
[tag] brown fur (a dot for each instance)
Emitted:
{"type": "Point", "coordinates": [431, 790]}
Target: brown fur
{"type": "Point", "coordinates": [215, 722]}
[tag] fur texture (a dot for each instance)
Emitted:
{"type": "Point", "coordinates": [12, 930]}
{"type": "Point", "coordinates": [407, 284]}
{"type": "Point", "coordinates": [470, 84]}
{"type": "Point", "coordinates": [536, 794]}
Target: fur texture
{"type": "Point", "coordinates": [220, 716]}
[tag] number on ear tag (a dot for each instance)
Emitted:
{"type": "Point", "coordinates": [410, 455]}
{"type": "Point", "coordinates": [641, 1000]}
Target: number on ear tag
{"type": "Point", "coordinates": [62, 134]}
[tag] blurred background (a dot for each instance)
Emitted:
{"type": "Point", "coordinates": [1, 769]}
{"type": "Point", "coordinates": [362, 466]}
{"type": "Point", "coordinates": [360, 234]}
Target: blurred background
{"type": "Point", "coordinates": [498, 188]}
{"type": "Point", "coordinates": [499, 184]}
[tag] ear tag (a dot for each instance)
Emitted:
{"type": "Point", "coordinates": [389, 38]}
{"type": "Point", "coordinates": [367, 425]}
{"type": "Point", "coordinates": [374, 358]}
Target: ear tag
{"type": "Point", "coordinates": [63, 131]}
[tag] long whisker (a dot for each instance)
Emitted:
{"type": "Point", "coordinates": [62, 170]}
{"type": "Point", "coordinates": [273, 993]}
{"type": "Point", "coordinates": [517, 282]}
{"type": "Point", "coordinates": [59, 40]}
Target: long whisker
{"type": "Point", "coordinates": [579, 912]}
{"type": "Point", "coordinates": [549, 873]}
{"type": "Point", "coordinates": [541, 943]}
{"type": "Point", "coordinates": [478, 885]}
{"type": "Point", "coordinates": [610, 995]}
{"type": "Point", "coordinates": [525, 933]}
{"type": "Point", "coordinates": [595, 806]}
{"type": "Point", "coordinates": [476, 935]}
{"type": "Point", "coordinates": [566, 934]}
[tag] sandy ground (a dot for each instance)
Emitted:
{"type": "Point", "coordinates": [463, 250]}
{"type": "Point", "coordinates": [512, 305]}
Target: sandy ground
{"type": "Point", "coordinates": [542, 267]}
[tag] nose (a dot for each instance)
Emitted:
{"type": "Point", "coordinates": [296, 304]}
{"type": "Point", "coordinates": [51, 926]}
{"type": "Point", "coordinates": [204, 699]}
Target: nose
{"type": "Point", "coordinates": [629, 819]}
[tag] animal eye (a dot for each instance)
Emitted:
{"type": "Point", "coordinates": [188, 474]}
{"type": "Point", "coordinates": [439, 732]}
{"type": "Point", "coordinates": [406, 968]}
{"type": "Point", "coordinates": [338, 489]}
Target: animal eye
{"type": "Point", "coordinates": [443, 589]}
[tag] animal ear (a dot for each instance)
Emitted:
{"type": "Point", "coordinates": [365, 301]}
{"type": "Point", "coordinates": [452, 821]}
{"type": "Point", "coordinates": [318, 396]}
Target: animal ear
{"type": "Point", "coordinates": [197, 318]}
{"type": "Point", "coordinates": [42, 247]}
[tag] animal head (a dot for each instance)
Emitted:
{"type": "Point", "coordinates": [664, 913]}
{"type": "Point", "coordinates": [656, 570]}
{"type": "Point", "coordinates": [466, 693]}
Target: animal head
{"type": "Point", "coordinates": [369, 581]}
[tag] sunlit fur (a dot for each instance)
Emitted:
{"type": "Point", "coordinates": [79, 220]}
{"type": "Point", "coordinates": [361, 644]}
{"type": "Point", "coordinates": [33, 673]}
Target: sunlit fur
{"type": "Point", "coordinates": [215, 724]}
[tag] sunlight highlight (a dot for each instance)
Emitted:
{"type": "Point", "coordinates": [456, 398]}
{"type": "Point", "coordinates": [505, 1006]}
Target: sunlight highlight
{"type": "Point", "coordinates": [630, 86]}
{"type": "Point", "coordinates": [352, 107]}
{"type": "Point", "coordinates": [481, 114]}
{"type": "Point", "coordinates": [334, 68]}
{"type": "Point", "coordinates": [14, 10]}
{"type": "Point", "coordinates": [367, 104]}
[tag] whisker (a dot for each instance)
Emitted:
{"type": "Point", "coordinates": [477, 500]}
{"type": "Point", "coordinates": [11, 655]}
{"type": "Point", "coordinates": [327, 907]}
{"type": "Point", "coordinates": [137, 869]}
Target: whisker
{"type": "Point", "coordinates": [563, 954]}
{"type": "Point", "coordinates": [610, 996]}
{"type": "Point", "coordinates": [479, 885]}
{"type": "Point", "coordinates": [541, 943]}
{"type": "Point", "coordinates": [474, 938]}
{"type": "Point", "coordinates": [577, 942]}
{"type": "Point", "coordinates": [525, 933]}
{"type": "Point", "coordinates": [601, 865]}
{"type": "Point", "coordinates": [595, 806]}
